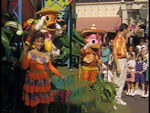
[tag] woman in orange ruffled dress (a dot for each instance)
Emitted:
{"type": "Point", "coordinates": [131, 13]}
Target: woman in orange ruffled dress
{"type": "Point", "coordinates": [37, 88]}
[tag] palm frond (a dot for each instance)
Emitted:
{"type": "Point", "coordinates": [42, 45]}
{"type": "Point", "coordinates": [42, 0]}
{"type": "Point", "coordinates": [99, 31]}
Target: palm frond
{"type": "Point", "coordinates": [106, 90]}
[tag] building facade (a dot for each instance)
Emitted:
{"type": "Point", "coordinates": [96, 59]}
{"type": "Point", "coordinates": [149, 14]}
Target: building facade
{"type": "Point", "coordinates": [108, 14]}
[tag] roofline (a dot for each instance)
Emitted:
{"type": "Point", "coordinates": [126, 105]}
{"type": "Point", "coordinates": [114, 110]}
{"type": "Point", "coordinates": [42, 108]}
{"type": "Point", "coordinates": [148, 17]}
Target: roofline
{"type": "Point", "coordinates": [97, 3]}
{"type": "Point", "coordinates": [100, 16]}
{"type": "Point", "coordinates": [119, 2]}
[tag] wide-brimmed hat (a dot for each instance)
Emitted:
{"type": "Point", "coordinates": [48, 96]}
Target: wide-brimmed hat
{"type": "Point", "coordinates": [92, 29]}
{"type": "Point", "coordinates": [45, 11]}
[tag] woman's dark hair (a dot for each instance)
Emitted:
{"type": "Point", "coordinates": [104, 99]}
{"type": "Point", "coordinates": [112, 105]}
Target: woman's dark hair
{"type": "Point", "coordinates": [123, 26]}
{"type": "Point", "coordinates": [37, 34]}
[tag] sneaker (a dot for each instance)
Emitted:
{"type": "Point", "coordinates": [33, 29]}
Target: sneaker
{"type": "Point", "coordinates": [143, 93]}
{"type": "Point", "coordinates": [139, 92]}
{"type": "Point", "coordinates": [121, 102]}
{"type": "Point", "coordinates": [127, 93]}
{"type": "Point", "coordinates": [135, 92]}
{"type": "Point", "coordinates": [147, 94]}
{"type": "Point", "coordinates": [131, 92]}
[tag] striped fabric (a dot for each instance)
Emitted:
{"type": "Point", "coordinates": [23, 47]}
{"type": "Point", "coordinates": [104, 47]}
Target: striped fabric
{"type": "Point", "coordinates": [37, 88]}
{"type": "Point", "coordinates": [41, 60]}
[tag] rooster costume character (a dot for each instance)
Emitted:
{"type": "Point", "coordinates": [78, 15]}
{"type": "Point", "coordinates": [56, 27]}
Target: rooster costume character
{"type": "Point", "coordinates": [89, 54]}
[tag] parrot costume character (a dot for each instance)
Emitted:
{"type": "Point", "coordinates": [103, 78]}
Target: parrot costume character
{"type": "Point", "coordinates": [89, 54]}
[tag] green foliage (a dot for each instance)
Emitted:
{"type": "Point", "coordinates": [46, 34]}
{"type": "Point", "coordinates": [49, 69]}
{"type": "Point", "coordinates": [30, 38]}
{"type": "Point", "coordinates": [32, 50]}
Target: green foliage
{"type": "Point", "coordinates": [77, 38]}
{"type": "Point", "coordinates": [75, 50]}
{"type": "Point", "coordinates": [74, 16]}
{"type": "Point", "coordinates": [111, 111]}
{"type": "Point", "coordinates": [13, 24]}
{"type": "Point", "coordinates": [5, 39]}
{"type": "Point", "coordinates": [61, 41]}
{"type": "Point", "coordinates": [105, 90]}
{"type": "Point", "coordinates": [5, 33]}
{"type": "Point", "coordinates": [65, 53]}
{"type": "Point", "coordinates": [64, 42]}
{"type": "Point", "coordinates": [83, 108]}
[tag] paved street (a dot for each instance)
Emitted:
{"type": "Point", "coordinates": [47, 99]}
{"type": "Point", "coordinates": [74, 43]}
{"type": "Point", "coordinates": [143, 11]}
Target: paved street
{"type": "Point", "coordinates": [137, 104]}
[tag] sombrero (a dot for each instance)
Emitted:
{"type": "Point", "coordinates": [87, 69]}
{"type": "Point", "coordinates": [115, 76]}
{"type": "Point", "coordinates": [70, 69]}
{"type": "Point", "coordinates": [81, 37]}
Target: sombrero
{"type": "Point", "coordinates": [45, 11]}
{"type": "Point", "coordinates": [92, 29]}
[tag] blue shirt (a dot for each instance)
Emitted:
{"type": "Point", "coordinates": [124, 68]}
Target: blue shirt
{"type": "Point", "coordinates": [106, 53]}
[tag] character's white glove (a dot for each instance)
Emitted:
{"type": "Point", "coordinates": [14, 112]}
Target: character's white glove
{"type": "Point", "coordinates": [58, 26]}
{"type": "Point", "coordinates": [87, 45]}
{"type": "Point", "coordinates": [43, 30]}
{"type": "Point", "coordinates": [104, 66]}
{"type": "Point", "coordinates": [56, 52]}
{"type": "Point", "coordinates": [58, 31]}
{"type": "Point", "coordinates": [43, 18]}
{"type": "Point", "coordinates": [105, 73]}
{"type": "Point", "coordinates": [39, 25]}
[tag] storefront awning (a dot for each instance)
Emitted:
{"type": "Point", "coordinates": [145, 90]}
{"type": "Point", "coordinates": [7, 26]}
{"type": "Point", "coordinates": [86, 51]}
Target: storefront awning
{"type": "Point", "coordinates": [109, 24]}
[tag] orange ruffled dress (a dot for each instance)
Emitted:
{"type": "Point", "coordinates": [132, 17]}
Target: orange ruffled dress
{"type": "Point", "coordinates": [37, 88]}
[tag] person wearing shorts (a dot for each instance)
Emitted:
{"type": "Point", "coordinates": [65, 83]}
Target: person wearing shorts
{"type": "Point", "coordinates": [139, 76]}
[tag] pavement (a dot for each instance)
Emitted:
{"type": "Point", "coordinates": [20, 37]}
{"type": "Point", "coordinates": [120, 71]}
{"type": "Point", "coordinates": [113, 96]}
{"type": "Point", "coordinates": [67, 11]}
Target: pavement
{"type": "Point", "coordinates": [137, 104]}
